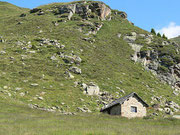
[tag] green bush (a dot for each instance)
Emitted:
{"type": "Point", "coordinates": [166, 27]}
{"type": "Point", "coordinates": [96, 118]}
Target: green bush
{"type": "Point", "coordinates": [153, 31]}
{"type": "Point", "coordinates": [163, 36]}
{"type": "Point", "coordinates": [159, 35]}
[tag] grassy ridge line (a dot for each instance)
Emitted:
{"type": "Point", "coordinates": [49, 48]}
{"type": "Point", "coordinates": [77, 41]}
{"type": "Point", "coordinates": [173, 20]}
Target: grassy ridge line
{"type": "Point", "coordinates": [7, 9]}
{"type": "Point", "coordinates": [177, 39]}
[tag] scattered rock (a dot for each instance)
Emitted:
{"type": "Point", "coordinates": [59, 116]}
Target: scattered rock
{"type": "Point", "coordinates": [72, 59]}
{"type": "Point", "coordinates": [42, 93]}
{"type": "Point", "coordinates": [160, 109]}
{"type": "Point", "coordinates": [40, 98]}
{"type": "Point", "coordinates": [55, 23]}
{"type": "Point", "coordinates": [176, 93]}
{"type": "Point", "coordinates": [19, 23]}
{"type": "Point", "coordinates": [34, 84]}
{"type": "Point", "coordinates": [69, 75]}
{"type": "Point", "coordinates": [53, 57]}
{"type": "Point", "coordinates": [155, 114]}
{"type": "Point", "coordinates": [18, 89]}
{"type": "Point", "coordinates": [142, 35]}
{"type": "Point", "coordinates": [119, 35]}
{"type": "Point", "coordinates": [5, 87]}
{"type": "Point", "coordinates": [84, 109]}
{"type": "Point", "coordinates": [168, 111]}
{"type": "Point", "coordinates": [174, 107]}
{"type": "Point", "coordinates": [41, 31]}
{"type": "Point", "coordinates": [35, 10]}
{"type": "Point", "coordinates": [32, 51]}
{"type": "Point", "coordinates": [54, 108]}
{"type": "Point", "coordinates": [41, 13]}
{"type": "Point", "coordinates": [23, 15]}
{"type": "Point", "coordinates": [130, 38]}
{"type": "Point", "coordinates": [75, 70]}
{"type": "Point", "coordinates": [84, 86]}
{"type": "Point", "coordinates": [80, 109]}
{"type": "Point", "coordinates": [22, 94]}
{"type": "Point", "coordinates": [2, 52]}
{"type": "Point", "coordinates": [122, 91]}
{"type": "Point", "coordinates": [122, 14]}
{"type": "Point", "coordinates": [9, 94]}
{"type": "Point", "coordinates": [165, 43]}
{"type": "Point", "coordinates": [148, 39]}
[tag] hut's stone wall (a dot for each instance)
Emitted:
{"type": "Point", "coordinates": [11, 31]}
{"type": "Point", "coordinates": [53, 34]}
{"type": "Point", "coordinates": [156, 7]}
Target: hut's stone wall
{"type": "Point", "coordinates": [116, 110]}
{"type": "Point", "coordinates": [126, 108]}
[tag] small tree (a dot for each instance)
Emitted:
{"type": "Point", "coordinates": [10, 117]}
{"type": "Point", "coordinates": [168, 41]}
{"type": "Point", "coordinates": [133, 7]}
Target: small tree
{"type": "Point", "coordinates": [159, 35]}
{"type": "Point", "coordinates": [163, 36]}
{"type": "Point", "coordinates": [153, 31]}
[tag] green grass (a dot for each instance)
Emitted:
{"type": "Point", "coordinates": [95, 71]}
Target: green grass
{"type": "Point", "coordinates": [177, 39]}
{"type": "Point", "coordinates": [7, 9]}
{"type": "Point", "coordinates": [17, 119]}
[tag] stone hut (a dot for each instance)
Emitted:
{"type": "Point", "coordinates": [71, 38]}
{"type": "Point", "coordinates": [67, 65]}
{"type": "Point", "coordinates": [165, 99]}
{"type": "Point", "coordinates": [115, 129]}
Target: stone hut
{"type": "Point", "coordinates": [129, 106]}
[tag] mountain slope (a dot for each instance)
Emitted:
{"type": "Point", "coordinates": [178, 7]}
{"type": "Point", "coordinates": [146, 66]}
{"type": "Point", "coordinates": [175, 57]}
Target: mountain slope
{"type": "Point", "coordinates": [7, 9]}
{"type": "Point", "coordinates": [50, 56]}
{"type": "Point", "coordinates": [177, 39]}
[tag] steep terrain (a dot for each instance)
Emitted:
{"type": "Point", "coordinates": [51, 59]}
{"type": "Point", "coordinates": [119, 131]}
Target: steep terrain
{"type": "Point", "coordinates": [79, 56]}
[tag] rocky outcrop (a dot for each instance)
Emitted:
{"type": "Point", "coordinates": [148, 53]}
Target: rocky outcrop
{"type": "Point", "coordinates": [92, 89]}
{"type": "Point", "coordinates": [35, 10]}
{"type": "Point", "coordinates": [122, 14]}
{"type": "Point", "coordinates": [137, 49]}
{"type": "Point", "coordinates": [157, 58]}
{"type": "Point", "coordinates": [84, 9]}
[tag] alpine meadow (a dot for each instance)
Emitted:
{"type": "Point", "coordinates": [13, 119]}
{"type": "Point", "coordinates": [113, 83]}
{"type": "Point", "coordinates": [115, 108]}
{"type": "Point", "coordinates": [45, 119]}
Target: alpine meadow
{"type": "Point", "coordinates": [62, 63]}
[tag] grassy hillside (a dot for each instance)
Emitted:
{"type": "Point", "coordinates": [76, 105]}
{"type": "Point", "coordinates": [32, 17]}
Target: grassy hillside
{"type": "Point", "coordinates": [28, 74]}
{"type": "Point", "coordinates": [7, 9]}
{"type": "Point", "coordinates": [177, 39]}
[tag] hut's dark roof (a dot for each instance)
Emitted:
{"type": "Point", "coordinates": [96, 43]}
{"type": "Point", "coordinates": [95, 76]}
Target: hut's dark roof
{"type": "Point", "coordinates": [121, 101]}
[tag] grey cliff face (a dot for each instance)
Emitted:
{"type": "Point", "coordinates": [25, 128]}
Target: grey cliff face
{"type": "Point", "coordinates": [161, 64]}
{"type": "Point", "coordinates": [84, 9]}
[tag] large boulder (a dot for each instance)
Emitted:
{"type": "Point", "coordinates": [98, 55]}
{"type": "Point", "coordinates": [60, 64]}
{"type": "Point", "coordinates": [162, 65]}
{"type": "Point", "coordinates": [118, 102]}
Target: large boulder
{"type": "Point", "coordinates": [130, 38]}
{"type": "Point", "coordinates": [92, 89]}
{"type": "Point", "coordinates": [104, 11]}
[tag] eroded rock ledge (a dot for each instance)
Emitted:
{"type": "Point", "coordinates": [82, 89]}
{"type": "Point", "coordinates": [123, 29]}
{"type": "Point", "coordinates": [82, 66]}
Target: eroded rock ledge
{"type": "Point", "coordinates": [156, 57]}
{"type": "Point", "coordinates": [84, 9]}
